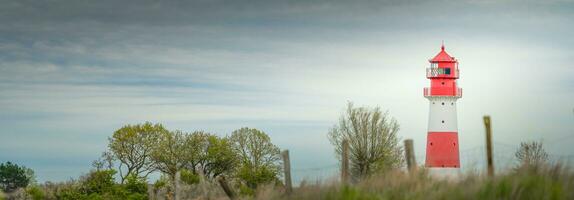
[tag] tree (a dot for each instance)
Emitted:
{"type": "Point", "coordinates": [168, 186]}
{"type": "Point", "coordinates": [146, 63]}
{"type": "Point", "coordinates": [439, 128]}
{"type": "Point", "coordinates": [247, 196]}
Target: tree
{"type": "Point", "coordinates": [373, 141]}
{"type": "Point", "coordinates": [531, 154]}
{"type": "Point", "coordinates": [176, 151]}
{"type": "Point", "coordinates": [132, 145]}
{"type": "Point", "coordinates": [258, 157]}
{"type": "Point", "coordinates": [218, 158]}
{"type": "Point", "coordinates": [13, 176]}
{"type": "Point", "coordinates": [106, 161]}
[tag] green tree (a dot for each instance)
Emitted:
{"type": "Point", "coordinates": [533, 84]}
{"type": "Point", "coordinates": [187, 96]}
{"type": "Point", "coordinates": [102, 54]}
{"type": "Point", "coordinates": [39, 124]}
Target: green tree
{"type": "Point", "coordinates": [259, 159]}
{"type": "Point", "coordinates": [13, 176]}
{"type": "Point", "coordinates": [218, 158]}
{"type": "Point", "coordinates": [133, 145]}
{"type": "Point", "coordinates": [176, 151]}
{"type": "Point", "coordinates": [373, 141]}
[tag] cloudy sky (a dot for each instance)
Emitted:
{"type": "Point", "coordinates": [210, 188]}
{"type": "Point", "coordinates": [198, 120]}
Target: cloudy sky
{"type": "Point", "coordinates": [72, 72]}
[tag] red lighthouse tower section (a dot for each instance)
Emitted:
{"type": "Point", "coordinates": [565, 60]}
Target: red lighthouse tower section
{"type": "Point", "coordinates": [442, 139]}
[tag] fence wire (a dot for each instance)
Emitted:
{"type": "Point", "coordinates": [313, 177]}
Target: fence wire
{"type": "Point", "coordinates": [472, 159]}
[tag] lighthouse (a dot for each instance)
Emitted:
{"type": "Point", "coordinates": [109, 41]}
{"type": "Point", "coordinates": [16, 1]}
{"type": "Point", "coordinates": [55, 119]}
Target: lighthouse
{"type": "Point", "coordinates": [442, 138]}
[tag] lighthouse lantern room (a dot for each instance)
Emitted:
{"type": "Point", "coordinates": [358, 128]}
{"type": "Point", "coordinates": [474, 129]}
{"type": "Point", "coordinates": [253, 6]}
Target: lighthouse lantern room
{"type": "Point", "coordinates": [442, 139]}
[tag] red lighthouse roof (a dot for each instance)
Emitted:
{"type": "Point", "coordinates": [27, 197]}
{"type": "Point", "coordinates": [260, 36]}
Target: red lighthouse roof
{"type": "Point", "coordinates": [442, 56]}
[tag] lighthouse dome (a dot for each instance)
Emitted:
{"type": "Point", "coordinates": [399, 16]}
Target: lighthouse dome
{"type": "Point", "coordinates": [442, 56]}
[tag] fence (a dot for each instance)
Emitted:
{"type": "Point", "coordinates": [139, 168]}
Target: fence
{"type": "Point", "coordinates": [474, 159]}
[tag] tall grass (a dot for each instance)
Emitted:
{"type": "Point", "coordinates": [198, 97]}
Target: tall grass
{"type": "Point", "coordinates": [530, 182]}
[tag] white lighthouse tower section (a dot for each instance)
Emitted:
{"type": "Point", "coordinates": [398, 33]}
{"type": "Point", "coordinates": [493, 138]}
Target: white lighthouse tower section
{"type": "Point", "coordinates": [442, 118]}
{"type": "Point", "coordinates": [442, 115]}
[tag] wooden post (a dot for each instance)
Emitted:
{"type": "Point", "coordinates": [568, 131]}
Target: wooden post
{"type": "Point", "coordinates": [176, 185]}
{"type": "Point", "coordinates": [345, 162]}
{"type": "Point", "coordinates": [410, 155]}
{"type": "Point", "coordinates": [287, 170]}
{"type": "Point", "coordinates": [489, 160]}
{"type": "Point", "coordinates": [228, 191]}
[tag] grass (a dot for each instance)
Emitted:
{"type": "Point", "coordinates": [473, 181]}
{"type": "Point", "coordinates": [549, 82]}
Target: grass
{"type": "Point", "coordinates": [548, 182]}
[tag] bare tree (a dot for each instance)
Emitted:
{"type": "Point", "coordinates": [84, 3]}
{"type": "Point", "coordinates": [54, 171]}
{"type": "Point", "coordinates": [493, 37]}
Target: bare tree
{"type": "Point", "coordinates": [531, 154]}
{"type": "Point", "coordinates": [373, 142]}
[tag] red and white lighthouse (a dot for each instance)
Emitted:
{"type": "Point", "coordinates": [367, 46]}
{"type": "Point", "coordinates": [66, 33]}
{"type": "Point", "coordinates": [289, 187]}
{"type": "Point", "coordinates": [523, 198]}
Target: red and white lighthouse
{"type": "Point", "coordinates": [442, 138]}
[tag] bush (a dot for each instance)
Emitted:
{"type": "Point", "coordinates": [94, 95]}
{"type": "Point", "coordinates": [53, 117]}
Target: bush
{"type": "Point", "coordinates": [189, 177]}
{"type": "Point", "coordinates": [100, 184]}
{"type": "Point", "coordinates": [36, 193]}
{"type": "Point", "coordinates": [135, 185]}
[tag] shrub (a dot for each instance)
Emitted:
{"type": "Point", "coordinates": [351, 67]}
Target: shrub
{"type": "Point", "coordinates": [36, 193]}
{"type": "Point", "coordinates": [135, 185]}
{"type": "Point", "coordinates": [188, 177]}
{"type": "Point", "coordinates": [99, 182]}
{"type": "Point", "coordinates": [531, 154]}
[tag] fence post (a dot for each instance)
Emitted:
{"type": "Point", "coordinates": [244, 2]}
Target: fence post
{"type": "Point", "coordinates": [176, 185]}
{"type": "Point", "coordinates": [287, 170]}
{"type": "Point", "coordinates": [410, 155]}
{"type": "Point", "coordinates": [490, 162]}
{"type": "Point", "coordinates": [345, 162]}
{"type": "Point", "coordinates": [228, 191]}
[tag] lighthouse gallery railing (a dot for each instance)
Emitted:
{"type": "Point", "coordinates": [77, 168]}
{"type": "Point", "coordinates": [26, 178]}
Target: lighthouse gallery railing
{"type": "Point", "coordinates": [433, 72]}
{"type": "Point", "coordinates": [428, 93]}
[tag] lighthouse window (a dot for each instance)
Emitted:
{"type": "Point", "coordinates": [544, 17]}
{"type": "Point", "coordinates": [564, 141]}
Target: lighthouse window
{"type": "Point", "coordinates": [443, 103]}
{"type": "Point", "coordinates": [442, 83]}
{"type": "Point", "coordinates": [447, 70]}
{"type": "Point", "coordinates": [443, 121]}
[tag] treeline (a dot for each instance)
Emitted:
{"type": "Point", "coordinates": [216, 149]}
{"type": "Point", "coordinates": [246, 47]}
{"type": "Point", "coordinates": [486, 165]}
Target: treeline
{"type": "Point", "coordinates": [246, 159]}
{"type": "Point", "coordinates": [247, 156]}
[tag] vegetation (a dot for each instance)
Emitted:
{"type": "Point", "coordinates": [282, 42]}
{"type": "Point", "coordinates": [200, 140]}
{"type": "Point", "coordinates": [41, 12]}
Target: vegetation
{"type": "Point", "coordinates": [531, 154]}
{"type": "Point", "coordinates": [13, 177]}
{"type": "Point", "coordinates": [100, 184]}
{"type": "Point", "coordinates": [547, 182]}
{"type": "Point", "coordinates": [176, 151]}
{"type": "Point", "coordinates": [258, 157]}
{"type": "Point", "coordinates": [251, 164]}
{"type": "Point", "coordinates": [373, 141]}
{"type": "Point", "coordinates": [218, 157]}
{"type": "Point", "coordinates": [132, 146]}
